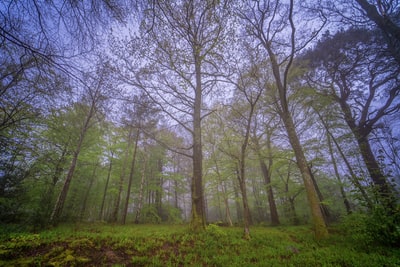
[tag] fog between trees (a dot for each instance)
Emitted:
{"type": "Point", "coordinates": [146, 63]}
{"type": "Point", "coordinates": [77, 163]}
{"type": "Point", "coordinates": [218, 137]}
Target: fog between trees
{"type": "Point", "coordinates": [232, 112]}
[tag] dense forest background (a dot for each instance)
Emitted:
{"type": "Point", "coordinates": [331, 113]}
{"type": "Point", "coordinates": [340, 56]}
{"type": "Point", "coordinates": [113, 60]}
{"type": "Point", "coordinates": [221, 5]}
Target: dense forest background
{"type": "Point", "coordinates": [232, 112]}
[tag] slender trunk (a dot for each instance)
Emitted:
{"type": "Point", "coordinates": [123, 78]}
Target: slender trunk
{"type": "Point", "coordinates": [226, 202]}
{"type": "Point", "coordinates": [46, 202]}
{"type": "Point", "coordinates": [106, 186]}
{"type": "Point", "coordinates": [114, 217]}
{"type": "Point", "coordinates": [58, 208]}
{"type": "Point", "coordinates": [242, 168]}
{"type": "Point", "coordinates": [219, 202]}
{"type": "Point", "coordinates": [176, 194]}
{"type": "Point", "coordinates": [239, 210]}
{"type": "Point", "coordinates": [228, 217]}
{"type": "Point", "coordinates": [335, 168]}
{"type": "Point", "coordinates": [324, 208]}
{"type": "Point", "coordinates": [176, 172]}
{"type": "Point", "coordinates": [140, 201]}
{"type": "Point", "coordinates": [158, 193]}
{"type": "Point", "coordinates": [271, 199]}
{"type": "Point", "coordinates": [353, 178]}
{"type": "Point", "coordinates": [131, 174]}
{"type": "Point", "coordinates": [289, 200]}
{"type": "Point", "coordinates": [281, 80]}
{"type": "Point", "coordinates": [384, 189]}
{"type": "Point", "coordinates": [84, 202]}
{"type": "Point", "coordinates": [247, 220]}
{"type": "Point", "coordinates": [386, 24]}
{"type": "Point", "coordinates": [257, 203]}
{"type": "Point", "coordinates": [292, 211]}
{"type": "Point", "coordinates": [266, 172]}
{"type": "Point", "coordinates": [318, 218]}
{"type": "Point", "coordinates": [198, 210]}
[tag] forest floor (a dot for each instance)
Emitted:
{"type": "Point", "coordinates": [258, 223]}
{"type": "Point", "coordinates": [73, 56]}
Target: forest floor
{"type": "Point", "coordinates": [173, 245]}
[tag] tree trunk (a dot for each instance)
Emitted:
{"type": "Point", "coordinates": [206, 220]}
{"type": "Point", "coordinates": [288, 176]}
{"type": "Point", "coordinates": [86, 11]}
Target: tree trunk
{"type": "Point", "coordinates": [324, 208]}
{"type": "Point", "coordinates": [239, 210]}
{"type": "Point", "coordinates": [84, 202]}
{"type": "Point", "coordinates": [247, 220]}
{"type": "Point", "coordinates": [176, 202]}
{"type": "Point", "coordinates": [198, 210]}
{"type": "Point", "coordinates": [361, 132]}
{"type": "Point", "coordinates": [63, 194]}
{"type": "Point", "coordinates": [114, 217]}
{"type": "Point", "coordinates": [292, 211]}
{"type": "Point", "coordinates": [271, 199]}
{"type": "Point", "coordinates": [242, 167]}
{"type": "Point", "coordinates": [289, 200]}
{"type": "Point", "coordinates": [353, 177]}
{"type": "Point", "coordinates": [227, 209]}
{"type": "Point", "coordinates": [106, 186]}
{"type": "Point", "coordinates": [384, 189]}
{"type": "Point", "coordinates": [228, 217]}
{"type": "Point", "coordinates": [220, 217]}
{"type": "Point", "coordinates": [258, 204]}
{"type": "Point", "coordinates": [266, 172]}
{"type": "Point", "coordinates": [335, 168]}
{"type": "Point", "coordinates": [131, 174]}
{"type": "Point", "coordinates": [159, 190]}
{"type": "Point", "coordinates": [176, 172]}
{"type": "Point", "coordinates": [281, 80]}
{"type": "Point", "coordinates": [46, 201]}
{"type": "Point", "coordinates": [385, 23]}
{"type": "Point", "coordinates": [318, 218]}
{"type": "Point", "coordinates": [140, 201]}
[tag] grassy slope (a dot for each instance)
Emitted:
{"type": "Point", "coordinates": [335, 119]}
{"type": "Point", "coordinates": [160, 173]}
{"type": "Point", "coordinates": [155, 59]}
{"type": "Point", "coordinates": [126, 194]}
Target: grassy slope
{"type": "Point", "coordinates": [172, 245]}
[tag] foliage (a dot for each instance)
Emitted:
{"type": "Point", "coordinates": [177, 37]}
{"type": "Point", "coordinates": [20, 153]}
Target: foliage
{"type": "Point", "coordinates": [171, 214]}
{"type": "Point", "coordinates": [377, 227]}
{"type": "Point", "coordinates": [150, 214]}
{"type": "Point", "coordinates": [173, 245]}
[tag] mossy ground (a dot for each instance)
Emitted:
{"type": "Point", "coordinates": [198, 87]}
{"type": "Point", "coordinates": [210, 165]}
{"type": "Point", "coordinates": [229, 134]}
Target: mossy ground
{"type": "Point", "coordinates": [173, 245]}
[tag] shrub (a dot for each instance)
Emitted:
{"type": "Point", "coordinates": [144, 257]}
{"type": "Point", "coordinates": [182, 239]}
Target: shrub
{"type": "Point", "coordinates": [376, 227]}
{"type": "Point", "coordinates": [384, 228]}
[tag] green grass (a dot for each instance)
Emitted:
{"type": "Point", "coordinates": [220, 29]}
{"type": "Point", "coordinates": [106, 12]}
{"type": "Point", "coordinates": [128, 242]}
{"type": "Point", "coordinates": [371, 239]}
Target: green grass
{"type": "Point", "coordinates": [173, 245]}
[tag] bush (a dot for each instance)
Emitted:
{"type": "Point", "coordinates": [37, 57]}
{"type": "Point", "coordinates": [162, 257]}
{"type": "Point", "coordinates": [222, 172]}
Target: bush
{"type": "Point", "coordinates": [377, 227]}
{"type": "Point", "coordinates": [384, 228]}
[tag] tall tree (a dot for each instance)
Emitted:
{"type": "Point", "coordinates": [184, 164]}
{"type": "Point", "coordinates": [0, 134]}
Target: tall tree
{"type": "Point", "coordinates": [367, 14]}
{"type": "Point", "coordinates": [249, 88]}
{"type": "Point", "coordinates": [110, 166]}
{"type": "Point", "coordinates": [181, 49]}
{"type": "Point", "coordinates": [269, 22]}
{"type": "Point", "coordinates": [141, 119]}
{"type": "Point", "coordinates": [364, 83]}
{"type": "Point", "coordinates": [385, 14]}
{"type": "Point", "coordinates": [92, 104]}
{"type": "Point", "coordinates": [266, 169]}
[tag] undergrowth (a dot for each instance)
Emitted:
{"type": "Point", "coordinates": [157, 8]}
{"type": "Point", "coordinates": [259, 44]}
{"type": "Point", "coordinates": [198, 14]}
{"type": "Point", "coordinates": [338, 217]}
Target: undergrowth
{"type": "Point", "coordinates": [174, 245]}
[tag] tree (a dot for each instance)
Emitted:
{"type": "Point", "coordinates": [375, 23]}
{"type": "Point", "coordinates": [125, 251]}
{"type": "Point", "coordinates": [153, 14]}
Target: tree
{"type": "Point", "coordinates": [342, 191]}
{"type": "Point", "coordinates": [265, 22]}
{"type": "Point", "coordinates": [181, 50]}
{"type": "Point", "coordinates": [384, 14]}
{"type": "Point", "coordinates": [29, 27]}
{"type": "Point", "coordinates": [90, 107]}
{"type": "Point", "coordinates": [249, 87]}
{"type": "Point", "coordinates": [216, 164]}
{"type": "Point", "coordinates": [364, 83]}
{"type": "Point", "coordinates": [111, 152]}
{"type": "Point", "coordinates": [140, 119]}
{"type": "Point", "coordinates": [266, 169]}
